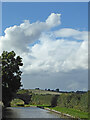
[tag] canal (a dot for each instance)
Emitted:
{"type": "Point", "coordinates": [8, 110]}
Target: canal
{"type": "Point", "coordinates": [29, 112]}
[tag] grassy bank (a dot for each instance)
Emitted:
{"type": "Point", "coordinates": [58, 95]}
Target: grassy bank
{"type": "Point", "coordinates": [73, 112]}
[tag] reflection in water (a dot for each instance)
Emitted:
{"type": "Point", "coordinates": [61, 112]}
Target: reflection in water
{"type": "Point", "coordinates": [28, 112]}
{"type": "Point", "coordinates": [10, 113]}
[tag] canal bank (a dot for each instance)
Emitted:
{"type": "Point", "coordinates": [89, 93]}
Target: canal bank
{"type": "Point", "coordinates": [67, 112]}
{"type": "Point", "coordinates": [67, 115]}
{"type": "Point", "coordinates": [57, 112]}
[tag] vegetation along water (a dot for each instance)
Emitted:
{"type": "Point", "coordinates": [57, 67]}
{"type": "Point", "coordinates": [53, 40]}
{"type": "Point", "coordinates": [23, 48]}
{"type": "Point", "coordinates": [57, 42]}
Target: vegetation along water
{"type": "Point", "coordinates": [74, 104]}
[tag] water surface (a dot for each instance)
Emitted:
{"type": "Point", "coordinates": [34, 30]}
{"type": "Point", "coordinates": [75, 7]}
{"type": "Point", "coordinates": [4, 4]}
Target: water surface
{"type": "Point", "coordinates": [28, 112]}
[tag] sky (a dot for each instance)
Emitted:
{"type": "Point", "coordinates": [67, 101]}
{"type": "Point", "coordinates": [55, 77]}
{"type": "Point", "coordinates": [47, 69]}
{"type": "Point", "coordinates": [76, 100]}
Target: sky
{"type": "Point", "coordinates": [52, 39]}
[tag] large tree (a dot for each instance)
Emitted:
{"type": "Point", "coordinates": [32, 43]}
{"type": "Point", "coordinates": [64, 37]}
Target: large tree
{"type": "Point", "coordinates": [11, 75]}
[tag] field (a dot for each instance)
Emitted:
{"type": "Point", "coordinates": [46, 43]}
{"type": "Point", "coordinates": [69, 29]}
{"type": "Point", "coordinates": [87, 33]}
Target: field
{"type": "Point", "coordinates": [40, 92]}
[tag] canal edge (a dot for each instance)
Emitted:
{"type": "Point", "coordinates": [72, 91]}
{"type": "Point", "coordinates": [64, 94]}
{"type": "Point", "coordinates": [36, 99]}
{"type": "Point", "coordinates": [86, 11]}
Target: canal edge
{"type": "Point", "coordinates": [60, 113]}
{"type": "Point", "coordinates": [64, 114]}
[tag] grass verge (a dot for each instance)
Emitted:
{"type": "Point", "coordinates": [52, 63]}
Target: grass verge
{"type": "Point", "coordinates": [73, 112]}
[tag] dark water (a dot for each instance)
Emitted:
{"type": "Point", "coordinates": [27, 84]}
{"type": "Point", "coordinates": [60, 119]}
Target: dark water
{"type": "Point", "coordinates": [28, 112]}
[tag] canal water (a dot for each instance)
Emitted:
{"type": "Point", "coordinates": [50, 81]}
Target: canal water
{"type": "Point", "coordinates": [29, 112]}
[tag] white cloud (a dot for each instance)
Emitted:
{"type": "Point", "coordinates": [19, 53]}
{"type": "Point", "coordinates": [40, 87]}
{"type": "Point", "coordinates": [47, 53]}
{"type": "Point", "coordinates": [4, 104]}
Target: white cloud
{"type": "Point", "coordinates": [20, 37]}
{"type": "Point", "coordinates": [78, 59]}
{"type": "Point", "coordinates": [53, 20]}
{"type": "Point", "coordinates": [68, 32]}
{"type": "Point", "coordinates": [52, 55]}
{"type": "Point", "coordinates": [58, 55]}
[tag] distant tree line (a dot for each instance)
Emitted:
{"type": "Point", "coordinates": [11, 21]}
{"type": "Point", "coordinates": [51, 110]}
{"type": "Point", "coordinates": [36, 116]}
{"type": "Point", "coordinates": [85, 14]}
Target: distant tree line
{"type": "Point", "coordinates": [60, 91]}
{"type": "Point", "coordinates": [57, 90]}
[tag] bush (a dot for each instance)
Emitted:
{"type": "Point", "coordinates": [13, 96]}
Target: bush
{"type": "Point", "coordinates": [17, 102]}
{"type": "Point", "coordinates": [73, 100]}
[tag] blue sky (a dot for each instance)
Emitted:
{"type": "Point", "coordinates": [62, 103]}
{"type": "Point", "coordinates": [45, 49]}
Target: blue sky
{"type": "Point", "coordinates": [60, 58]}
{"type": "Point", "coordinates": [74, 15]}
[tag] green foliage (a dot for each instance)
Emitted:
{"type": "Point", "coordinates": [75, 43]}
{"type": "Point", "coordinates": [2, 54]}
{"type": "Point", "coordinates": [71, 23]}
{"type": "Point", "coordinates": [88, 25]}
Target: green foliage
{"type": "Point", "coordinates": [54, 101]}
{"type": "Point", "coordinates": [17, 102]}
{"type": "Point", "coordinates": [41, 99]}
{"type": "Point", "coordinates": [73, 112]}
{"type": "Point", "coordinates": [11, 75]}
{"type": "Point", "coordinates": [83, 104]}
{"type": "Point", "coordinates": [22, 91]}
{"type": "Point", "coordinates": [73, 100]}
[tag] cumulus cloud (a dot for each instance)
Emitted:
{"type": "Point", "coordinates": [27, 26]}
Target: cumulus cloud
{"type": "Point", "coordinates": [57, 52]}
{"type": "Point", "coordinates": [20, 37]}
{"type": "Point", "coordinates": [79, 59]}
{"type": "Point", "coordinates": [53, 20]}
{"type": "Point", "coordinates": [58, 55]}
{"type": "Point", "coordinates": [68, 32]}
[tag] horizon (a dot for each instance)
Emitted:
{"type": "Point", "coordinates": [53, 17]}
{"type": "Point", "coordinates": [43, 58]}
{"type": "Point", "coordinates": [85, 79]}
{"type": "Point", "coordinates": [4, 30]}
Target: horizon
{"type": "Point", "coordinates": [54, 90]}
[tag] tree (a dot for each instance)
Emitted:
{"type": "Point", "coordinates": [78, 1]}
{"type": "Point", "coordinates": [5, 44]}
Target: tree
{"type": "Point", "coordinates": [57, 90]}
{"type": "Point", "coordinates": [11, 75]}
{"type": "Point", "coordinates": [54, 101]}
{"type": "Point", "coordinates": [48, 89]}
